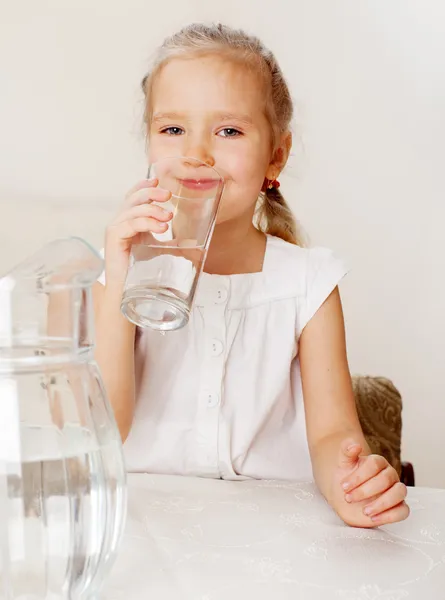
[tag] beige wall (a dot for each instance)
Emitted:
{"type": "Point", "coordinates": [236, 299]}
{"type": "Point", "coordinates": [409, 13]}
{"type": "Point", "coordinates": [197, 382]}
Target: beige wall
{"type": "Point", "coordinates": [367, 178]}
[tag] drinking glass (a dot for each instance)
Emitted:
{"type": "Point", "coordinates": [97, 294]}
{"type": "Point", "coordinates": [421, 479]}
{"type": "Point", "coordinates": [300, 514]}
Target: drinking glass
{"type": "Point", "coordinates": [165, 267]}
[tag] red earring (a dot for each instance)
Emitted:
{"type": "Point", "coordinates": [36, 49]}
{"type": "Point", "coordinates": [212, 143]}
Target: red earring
{"type": "Point", "coordinates": [269, 184]}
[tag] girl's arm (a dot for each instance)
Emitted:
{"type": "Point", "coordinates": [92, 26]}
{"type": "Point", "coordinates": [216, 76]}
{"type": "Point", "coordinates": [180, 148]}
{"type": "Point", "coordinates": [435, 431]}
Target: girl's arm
{"type": "Point", "coordinates": [114, 354]}
{"type": "Point", "coordinates": [115, 335]}
{"type": "Point", "coordinates": [339, 452]}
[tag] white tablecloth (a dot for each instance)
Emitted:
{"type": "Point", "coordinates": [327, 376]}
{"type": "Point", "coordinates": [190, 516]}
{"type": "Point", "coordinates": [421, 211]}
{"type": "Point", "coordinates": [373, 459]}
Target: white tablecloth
{"type": "Point", "coordinates": [196, 539]}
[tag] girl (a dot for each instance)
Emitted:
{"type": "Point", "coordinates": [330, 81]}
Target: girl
{"type": "Point", "coordinates": [257, 385]}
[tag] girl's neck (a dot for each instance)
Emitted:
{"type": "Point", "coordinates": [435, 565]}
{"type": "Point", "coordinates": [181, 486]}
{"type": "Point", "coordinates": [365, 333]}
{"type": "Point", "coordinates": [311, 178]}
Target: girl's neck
{"type": "Point", "coordinates": [235, 248]}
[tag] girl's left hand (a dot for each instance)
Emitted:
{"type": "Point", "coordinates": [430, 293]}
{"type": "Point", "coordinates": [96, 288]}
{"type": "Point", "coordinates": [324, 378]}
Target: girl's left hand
{"type": "Point", "coordinates": [368, 490]}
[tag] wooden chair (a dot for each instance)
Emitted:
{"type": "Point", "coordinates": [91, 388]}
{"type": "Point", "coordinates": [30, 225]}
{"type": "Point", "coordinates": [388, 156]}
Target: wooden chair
{"type": "Point", "coordinates": [379, 406]}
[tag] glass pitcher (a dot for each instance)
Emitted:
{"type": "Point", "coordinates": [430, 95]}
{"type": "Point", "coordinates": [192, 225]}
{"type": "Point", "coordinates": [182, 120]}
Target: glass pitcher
{"type": "Point", "coordinates": [62, 475]}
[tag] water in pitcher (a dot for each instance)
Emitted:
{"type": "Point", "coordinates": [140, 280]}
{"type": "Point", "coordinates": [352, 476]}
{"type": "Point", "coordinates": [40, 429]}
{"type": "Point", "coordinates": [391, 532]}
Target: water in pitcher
{"type": "Point", "coordinates": [64, 499]}
{"type": "Point", "coordinates": [161, 285]}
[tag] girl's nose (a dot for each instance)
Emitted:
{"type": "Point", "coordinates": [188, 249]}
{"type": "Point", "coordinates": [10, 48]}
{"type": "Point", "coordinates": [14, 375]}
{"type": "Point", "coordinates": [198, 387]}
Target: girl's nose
{"type": "Point", "coordinates": [202, 152]}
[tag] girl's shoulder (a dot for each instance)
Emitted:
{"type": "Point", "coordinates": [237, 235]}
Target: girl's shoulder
{"type": "Point", "coordinates": [290, 255]}
{"type": "Point", "coordinates": [309, 274]}
{"type": "Point", "coordinates": [302, 269]}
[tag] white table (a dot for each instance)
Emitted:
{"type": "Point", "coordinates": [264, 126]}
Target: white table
{"type": "Point", "coordinates": [197, 539]}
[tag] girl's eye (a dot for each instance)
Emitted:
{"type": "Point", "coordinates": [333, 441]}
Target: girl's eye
{"type": "Point", "coordinates": [229, 132]}
{"type": "Point", "coordinates": [173, 131]}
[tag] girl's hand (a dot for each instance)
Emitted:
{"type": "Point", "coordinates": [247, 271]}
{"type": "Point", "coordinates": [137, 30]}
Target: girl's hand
{"type": "Point", "coordinates": [137, 218]}
{"type": "Point", "coordinates": [369, 491]}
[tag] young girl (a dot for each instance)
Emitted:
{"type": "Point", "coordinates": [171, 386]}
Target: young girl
{"type": "Point", "coordinates": [257, 384]}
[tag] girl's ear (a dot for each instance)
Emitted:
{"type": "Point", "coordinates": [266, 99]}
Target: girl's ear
{"type": "Point", "coordinates": [280, 156]}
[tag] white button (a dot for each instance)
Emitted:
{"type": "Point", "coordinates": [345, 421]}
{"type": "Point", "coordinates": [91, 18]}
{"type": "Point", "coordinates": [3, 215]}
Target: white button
{"type": "Point", "coordinates": [212, 399]}
{"type": "Point", "coordinates": [216, 347]}
{"type": "Point", "coordinates": [221, 295]}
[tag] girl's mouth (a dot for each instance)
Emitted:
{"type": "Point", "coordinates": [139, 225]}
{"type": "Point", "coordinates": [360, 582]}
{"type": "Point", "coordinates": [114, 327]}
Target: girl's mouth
{"type": "Point", "coordinates": [199, 184]}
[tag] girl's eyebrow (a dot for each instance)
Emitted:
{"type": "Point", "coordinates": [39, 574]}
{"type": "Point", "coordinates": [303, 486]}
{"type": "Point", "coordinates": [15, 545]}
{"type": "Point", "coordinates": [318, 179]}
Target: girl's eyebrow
{"type": "Point", "coordinates": [220, 116]}
{"type": "Point", "coordinates": [246, 119]}
{"type": "Point", "coordinates": [169, 116]}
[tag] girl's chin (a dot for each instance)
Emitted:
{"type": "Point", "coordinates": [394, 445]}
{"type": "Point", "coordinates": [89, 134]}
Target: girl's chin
{"type": "Point", "coordinates": [224, 219]}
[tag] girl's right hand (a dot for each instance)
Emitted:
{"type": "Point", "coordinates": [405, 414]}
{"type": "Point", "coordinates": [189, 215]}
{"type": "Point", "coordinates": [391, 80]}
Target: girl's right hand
{"type": "Point", "coordinates": [137, 218]}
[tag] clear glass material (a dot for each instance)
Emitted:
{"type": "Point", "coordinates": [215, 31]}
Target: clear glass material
{"type": "Point", "coordinates": [62, 474]}
{"type": "Point", "coordinates": [165, 268]}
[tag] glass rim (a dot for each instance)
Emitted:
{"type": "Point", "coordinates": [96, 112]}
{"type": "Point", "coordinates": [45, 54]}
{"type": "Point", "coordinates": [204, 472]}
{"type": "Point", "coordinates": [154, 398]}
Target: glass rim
{"type": "Point", "coordinates": [181, 156]}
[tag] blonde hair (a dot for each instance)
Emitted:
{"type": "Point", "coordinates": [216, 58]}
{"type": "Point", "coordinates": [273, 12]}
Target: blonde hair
{"type": "Point", "coordinates": [273, 215]}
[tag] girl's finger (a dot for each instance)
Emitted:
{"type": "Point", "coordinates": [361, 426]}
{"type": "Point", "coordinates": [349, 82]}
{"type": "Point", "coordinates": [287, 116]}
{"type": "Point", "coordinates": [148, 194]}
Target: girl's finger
{"type": "Point", "coordinates": [376, 485]}
{"type": "Point", "coordinates": [392, 497]}
{"type": "Point", "coordinates": [143, 184]}
{"type": "Point", "coordinates": [370, 467]}
{"type": "Point", "coordinates": [349, 453]}
{"type": "Point", "coordinates": [393, 515]}
{"type": "Point", "coordinates": [128, 229]}
{"type": "Point", "coordinates": [145, 210]}
{"type": "Point", "coordinates": [147, 195]}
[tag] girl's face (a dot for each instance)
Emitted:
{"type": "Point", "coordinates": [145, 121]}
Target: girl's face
{"type": "Point", "coordinates": [213, 109]}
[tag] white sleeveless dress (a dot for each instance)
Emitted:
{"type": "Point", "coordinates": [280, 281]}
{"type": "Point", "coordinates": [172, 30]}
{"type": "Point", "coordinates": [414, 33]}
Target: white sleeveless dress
{"type": "Point", "coordinates": [222, 397]}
